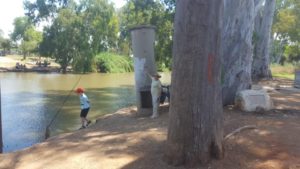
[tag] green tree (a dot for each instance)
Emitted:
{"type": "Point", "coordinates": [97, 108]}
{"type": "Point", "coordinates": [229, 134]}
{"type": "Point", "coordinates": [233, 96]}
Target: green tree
{"type": "Point", "coordinates": [293, 52]}
{"type": "Point", "coordinates": [40, 10]}
{"type": "Point", "coordinates": [1, 35]}
{"type": "Point", "coordinates": [100, 24]}
{"type": "Point", "coordinates": [6, 45]}
{"type": "Point", "coordinates": [61, 39]}
{"type": "Point", "coordinates": [25, 33]}
{"type": "Point", "coordinates": [21, 24]}
{"type": "Point", "coordinates": [80, 32]}
{"type": "Point", "coordinates": [286, 30]}
{"type": "Point", "coordinates": [149, 12]}
{"type": "Point", "coordinates": [1, 39]}
{"type": "Point", "coordinates": [99, 29]}
{"type": "Point", "coordinates": [31, 41]}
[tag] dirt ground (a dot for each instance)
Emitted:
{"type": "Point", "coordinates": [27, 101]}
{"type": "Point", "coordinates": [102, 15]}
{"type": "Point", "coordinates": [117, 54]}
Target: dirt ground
{"type": "Point", "coordinates": [124, 141]}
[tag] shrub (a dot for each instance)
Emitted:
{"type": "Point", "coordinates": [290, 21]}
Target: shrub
{"type": "Point", "coordinates": [113, 63]}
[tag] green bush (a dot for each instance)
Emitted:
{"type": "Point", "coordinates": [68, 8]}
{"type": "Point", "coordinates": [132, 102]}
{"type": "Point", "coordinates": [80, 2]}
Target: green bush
{"type": "Point", "coordinates": [113, 63]}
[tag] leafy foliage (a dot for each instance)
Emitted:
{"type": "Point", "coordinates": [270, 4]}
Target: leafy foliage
{"type": "Point", "coordinates": [80, 32]}
{"type": "Point", "coordinates": [31, 40]}
{"type": "Point", "coordinates": [39, 10]}
{"type": "Point", "coordinates": [25, 33]}
{"type": "Point", "coordinates": [286, 30]}
{"type": "Point", "coordinates": [113, 63]}
{"type": "Point", "coordinates": [150, 12]}
{"type": "Point", "coordinates": [293, 53]}
{"type": "Point", "coordinates": [6, 45]}
{"type": "Point", "coordinates": [81, 29]}
{"type": "Point", "coordinates": [21, 24]}
{"type": "Point", "coordinates": [62, 38]}
{"type": "Point", "coordinates": [100, 23]}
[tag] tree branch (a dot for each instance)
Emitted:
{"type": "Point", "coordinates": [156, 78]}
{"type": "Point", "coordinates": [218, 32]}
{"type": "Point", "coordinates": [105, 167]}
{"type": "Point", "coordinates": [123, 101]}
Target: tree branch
{"type": "Point", "coordinates": [239, 130]}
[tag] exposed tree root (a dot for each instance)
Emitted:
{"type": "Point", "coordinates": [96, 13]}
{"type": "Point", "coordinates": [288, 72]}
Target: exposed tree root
{"type": "Point", "coordinates": [239, 130]}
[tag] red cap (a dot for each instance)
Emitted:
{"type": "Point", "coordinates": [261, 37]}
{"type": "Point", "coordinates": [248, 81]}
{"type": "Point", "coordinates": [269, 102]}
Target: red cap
{"type": "Point", "coordinates": [79, 90]}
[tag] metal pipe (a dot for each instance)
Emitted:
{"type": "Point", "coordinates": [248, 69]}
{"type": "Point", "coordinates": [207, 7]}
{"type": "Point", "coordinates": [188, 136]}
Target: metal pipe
{"type": "Point", "coordinates": [1, 142]}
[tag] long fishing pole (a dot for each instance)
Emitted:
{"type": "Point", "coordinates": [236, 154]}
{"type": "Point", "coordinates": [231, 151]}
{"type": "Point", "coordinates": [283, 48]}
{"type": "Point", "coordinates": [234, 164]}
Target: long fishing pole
{"type": "Point", "coordinates": [47, 133]}
{"type": "Point", "coordinates": [1, 141]}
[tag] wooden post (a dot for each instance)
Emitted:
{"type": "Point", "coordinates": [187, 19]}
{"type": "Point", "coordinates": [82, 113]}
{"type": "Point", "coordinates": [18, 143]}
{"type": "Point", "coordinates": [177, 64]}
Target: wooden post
{"type": "Point", "coordinates": [143, 51]}
{"type": "Point", "coordinates": [1, 142]}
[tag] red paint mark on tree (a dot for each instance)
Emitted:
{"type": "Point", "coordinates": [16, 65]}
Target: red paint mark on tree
{"type": "Point", "coordinates": [210, 64]}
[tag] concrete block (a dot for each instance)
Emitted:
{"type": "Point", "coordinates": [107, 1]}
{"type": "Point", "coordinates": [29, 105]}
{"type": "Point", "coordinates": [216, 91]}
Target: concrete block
{"type": "Point", "coordinates": [256, 87]}
{"type": "Point", "coordinates": [253, 100]}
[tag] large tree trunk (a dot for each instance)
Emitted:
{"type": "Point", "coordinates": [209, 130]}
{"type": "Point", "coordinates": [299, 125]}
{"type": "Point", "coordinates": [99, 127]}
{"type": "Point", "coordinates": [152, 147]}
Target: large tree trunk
{"type": "Point", "coordinates": [263, 25]}
{"type": "Point", "coordinates": [195, 132]}
{"type": "Point", "coordinates": [237, 47]}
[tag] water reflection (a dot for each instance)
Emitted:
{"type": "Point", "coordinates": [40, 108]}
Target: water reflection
{"type": "Point", "coordinates": [31, 100]}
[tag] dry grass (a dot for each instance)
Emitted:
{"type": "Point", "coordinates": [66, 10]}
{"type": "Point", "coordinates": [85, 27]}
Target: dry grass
{"type": "Point", "coordinates": [287, 71]}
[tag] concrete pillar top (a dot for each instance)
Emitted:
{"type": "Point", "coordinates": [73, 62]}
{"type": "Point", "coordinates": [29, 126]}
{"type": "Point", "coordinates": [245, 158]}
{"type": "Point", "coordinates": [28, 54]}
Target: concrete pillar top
{"type": "Point", "coordinates": [142, 27]}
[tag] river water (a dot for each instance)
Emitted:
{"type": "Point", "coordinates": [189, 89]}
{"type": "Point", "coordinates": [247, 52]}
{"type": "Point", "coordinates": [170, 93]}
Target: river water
{"type": "Point", "coordinates": [29, 101]}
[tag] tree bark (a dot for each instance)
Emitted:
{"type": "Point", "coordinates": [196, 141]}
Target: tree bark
{"type": "Point", "coordinates": [263, 26]}
{"type": "Point", "coordinates": [237, 47]}
{"type": "Point", "coordinates": [195, 134]}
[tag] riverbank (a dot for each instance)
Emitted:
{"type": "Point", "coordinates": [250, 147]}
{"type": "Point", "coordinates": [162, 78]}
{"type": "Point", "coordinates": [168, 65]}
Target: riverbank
{"type": "Point", "coordinates": [125, 141]}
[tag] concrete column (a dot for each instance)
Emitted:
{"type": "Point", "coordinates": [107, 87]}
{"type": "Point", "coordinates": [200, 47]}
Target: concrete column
{"type": "Point", "coordinates": [143, 38]}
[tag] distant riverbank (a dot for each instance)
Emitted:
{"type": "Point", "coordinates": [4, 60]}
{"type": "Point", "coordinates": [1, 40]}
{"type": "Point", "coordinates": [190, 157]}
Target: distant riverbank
{"type": "Point", "coordinates": [15, 63]}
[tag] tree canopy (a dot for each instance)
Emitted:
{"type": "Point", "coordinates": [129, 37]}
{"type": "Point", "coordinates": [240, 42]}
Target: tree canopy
{"type": "Point", "coordinates": [99, 27]}
{"type": "Point", "coordinates": [25, 33]}
{"type": "Point", "coordinates": [21, 24]}
{"type": "Point", "coordinates": [89, 27]}
{"type": "Point", "coordinates": [150, 12]}
{"type": "Point", "coordinates": [286, 32]}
